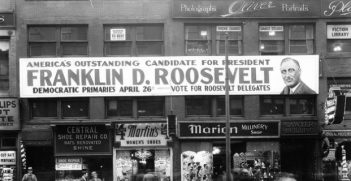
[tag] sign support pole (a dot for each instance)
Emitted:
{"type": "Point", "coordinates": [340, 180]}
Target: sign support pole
{"type": "Point", "coordinates": [227, 111]}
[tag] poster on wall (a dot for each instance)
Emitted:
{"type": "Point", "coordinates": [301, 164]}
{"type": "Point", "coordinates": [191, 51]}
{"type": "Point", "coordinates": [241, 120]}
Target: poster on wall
{"type": "Point", "coordinates": [7, 165]}
{"type": "Point", "coordinates": [196, 166]}
{"type": "Point", "coordinates": [9, 114]}
{"type": "Point", "coordinates": [168, 76]}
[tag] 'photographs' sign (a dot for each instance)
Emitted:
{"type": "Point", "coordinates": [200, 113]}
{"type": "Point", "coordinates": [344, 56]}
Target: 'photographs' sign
{"type": "Point", "coordinates": [69, 163]}
{"type": "Point", "coordinates": [165, 76]}
{"type": "Point", "coordinates": [7, 157]}
{"type": "Point", "coordinates": [339, 31]}
{"type": "Point", "coordinates": [9, 114]}
{"type": "Point", "coordinates": [154, 134]}
{"type": "Point", "coordinates": [237, 130]}
{"type": "Point", "coordinates": [78, 139]}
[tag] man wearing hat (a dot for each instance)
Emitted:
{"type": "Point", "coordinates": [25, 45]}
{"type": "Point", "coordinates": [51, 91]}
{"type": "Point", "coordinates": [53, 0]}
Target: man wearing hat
{"type": "Point", "coordinates": [29, 176]}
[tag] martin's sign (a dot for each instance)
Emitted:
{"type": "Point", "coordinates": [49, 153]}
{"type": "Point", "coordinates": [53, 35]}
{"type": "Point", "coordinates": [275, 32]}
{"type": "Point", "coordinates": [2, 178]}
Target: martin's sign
{"type": "Point", "coordinates": [250, 129]}
{"type": "Point", "coordinates": [131, 135]}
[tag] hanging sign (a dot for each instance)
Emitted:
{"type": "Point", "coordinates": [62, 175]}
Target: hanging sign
{"type": "Point", "coordinates": [7, 157]}
{"type": "Point", "coordinates": [69, 163]}
{"type": "Point", "coordinates": [137, 135]}
{"type": "Point", "coordinates": [9, 114]}
{"type": "Point", "coordinates": [118, 34]}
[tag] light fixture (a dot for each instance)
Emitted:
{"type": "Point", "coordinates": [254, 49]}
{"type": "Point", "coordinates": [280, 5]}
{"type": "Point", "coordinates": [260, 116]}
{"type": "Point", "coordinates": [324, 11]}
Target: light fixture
{"type": "Point", "coordinates": [271, 33]}
{"type": "Point", "coordinates": [262, 46]}
{"type": "Point", "coordinates": [143, 155]}
{"type": "Point", "coordinates": [216, 150]}
{"type": "Point", "coordinates": [337, 48]}
{"type": "Point", "coordinates": [203, 33]}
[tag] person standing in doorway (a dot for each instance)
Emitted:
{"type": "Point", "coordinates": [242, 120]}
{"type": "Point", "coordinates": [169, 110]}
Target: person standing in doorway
{"type": "Point", "coordinates": [29, 176]}
{"type": "Point", "coordinates": [94, 176]}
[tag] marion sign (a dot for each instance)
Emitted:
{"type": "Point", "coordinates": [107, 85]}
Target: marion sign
{"type": "Point", "coordinates": [161, 76]}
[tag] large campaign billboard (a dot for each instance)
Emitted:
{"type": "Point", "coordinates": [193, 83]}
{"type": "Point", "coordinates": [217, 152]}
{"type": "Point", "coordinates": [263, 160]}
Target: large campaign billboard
{"type": "Point", "coordinates": [168, 76]}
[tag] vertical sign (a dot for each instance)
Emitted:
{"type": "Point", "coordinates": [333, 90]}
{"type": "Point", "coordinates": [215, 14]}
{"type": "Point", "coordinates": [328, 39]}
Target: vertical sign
{"type": "Point", "coordinates": [9, 114]}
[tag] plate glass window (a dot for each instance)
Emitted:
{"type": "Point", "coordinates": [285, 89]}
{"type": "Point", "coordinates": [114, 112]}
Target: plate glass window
{"type": "Point", "coordinates": [4, 63]}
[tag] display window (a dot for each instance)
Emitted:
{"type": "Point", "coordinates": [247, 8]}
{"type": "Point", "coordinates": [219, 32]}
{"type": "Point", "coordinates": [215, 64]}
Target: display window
{"type": "Point", "coordinates": [73, 168]}
{"type": "Point", "coordinates": [205, 161]}
{"type": "Point", "coordinates": [7, 165]}
{"type": "Point", "coordinates": [142, 164]}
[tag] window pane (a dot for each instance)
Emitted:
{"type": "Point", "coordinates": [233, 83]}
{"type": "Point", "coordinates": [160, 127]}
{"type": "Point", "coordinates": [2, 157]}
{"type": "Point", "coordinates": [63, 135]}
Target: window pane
{"type": "Point", "coordinates": [233, 35]}
{"type": "Point", "coordinates": [118, 48]}
{"type": "Point", "coordinates": [198, 105]}
{"type": "Point", "coordinates": [298, 46]}
{"type": "Point", "coordinates": [272, 105]}
{"type": "Point", "coordinates": [236, 105]}
{"type": "Point", "coordinates": [74, 48]}
{"type": "Point", "coordinates": [75, 108]}
{"type": "Point", "coordinates": [74, 33]}
{"type": "Point", "coordinates": [339, 46]}
{"type": "Point", "coordinates": [149, 48]}
{"type": "Point", "coordinates": [197, 48]}
{"type": "Point", "coordinates": [271, 35]}
{"type": "Point", "coordinates": [272, 47]}
{"type": "Point", "coordinates": [233, 47]}
{"type": "Point", "coordinates": [8, 142]}
{"type": "Point", "coordinates": [151, 106]}
{"type": "Point", "coordinates": [197, 33]}
{"type": "Point", "coordinates": [42, 49]}
{"type": "Point", "coordinates": [301, 105]}
{"type": "Point", "coordinates": [126, 28]}
{"type": "Point", "coordinates": [149, 33]}
{"type": "Point", "coordinates": [120, 107]}
{"type": "Point", "coordinates": [297, 32]}
{"type": "Point", "coordinates": [44, 108]}
{"type": "Point", "coordinates": [42, 33]}
{"type": "Point", "coordinates": [4, 64]}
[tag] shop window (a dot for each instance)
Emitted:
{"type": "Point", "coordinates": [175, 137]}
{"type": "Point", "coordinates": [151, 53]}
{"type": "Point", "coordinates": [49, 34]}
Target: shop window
{"type": "Point", "coordinates": [135, 106]}
{"type": "Point", "coordinates": [338, 38]}
{"type": "Point", "coordinates": [134, 40]}
{"type": "Point", "coordinates": [143, 164]}
{"type": "Point", "coordinates": [53, 41]}
{"type": "Point", "coordinates": [204, 105]}
{"type": "Point", "coordinates": [8, 142]}
{"type": "Point", "coordinates": [286, 39]}
{"type": "Point", "coordinates": [205, 40]}
{"type": "Point", "coordinates": [292, 105]}
{"type": "Point", "coordinates": [59, 108]}
{"type": "Point", "coordinates": [4, 63]}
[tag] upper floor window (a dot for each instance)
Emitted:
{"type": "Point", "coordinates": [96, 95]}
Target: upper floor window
{"type": "Point", "coordinates": [213, 105]}
{"type": "Point", "coordinates": [339, 38]}
{"type": "Point", "coordinates": [4, 63]}
{"type": "Point", "coordinates": [134, 40]}
{"type": "Point", "coordinates": [60, 108]}
{"type": "Point", "coordinates": [55, 41]}
{"type": "Point", "coordinates": [135, 106]}
{"type": "Point", "coordinates": [288, 105]}
{"type": "Point", "coordinates": [205, 40]}
{"type": "Point", "coordinates": [286, 39]}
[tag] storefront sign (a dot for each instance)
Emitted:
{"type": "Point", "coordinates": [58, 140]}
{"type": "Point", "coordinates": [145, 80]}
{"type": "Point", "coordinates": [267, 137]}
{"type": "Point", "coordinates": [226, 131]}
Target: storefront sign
{"type": "Point", "coordinates": [7, 158]}
{"type": "Point", "coordinates": [246, 8]}
{"type": "Point", "coordinates": [161, 76]}
{"type": "Point", "coordinates": [130, 135]}
{"type": "Point", "coordinates": [7, 19]}
{"type": "Point", "coordinates": [69, 163]}
{"type": "Point", "coordinates": [299, 127]}
{"type": "Point", "coordinates": [336, 8]}
{"type": "Point", "coordinates": [248, 129]}
{"type": "Point", "coordinates": [337, 133]}
{"type": "Point", "coordinates": [339, 31]}
{"type": "Point", "coordinates": [82, 139]}
{"type": "Point", "coordinates": [9, 114]}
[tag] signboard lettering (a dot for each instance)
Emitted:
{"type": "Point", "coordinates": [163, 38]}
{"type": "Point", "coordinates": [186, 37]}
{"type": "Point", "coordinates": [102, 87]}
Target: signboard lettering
{"type": "Point", "coordinates": [118, 34]}
{"type": "Point", "coordinates": [69, 163]}
{"type": "Point", "coordinates": [9, 114]}
{"type": "Point", "coordinates": [163, 76]}
{"type": "Point", "coordinates": [76, 139]}
{"type": "Point", "coordinates": [339, 32]}
{"type": "Point", "coordinates": [337, 133]}
{"type": "Point", "coordinates": [7, 157]}
{"type": "Point", "coordinates": [337, 8]}
{"type": "Point", "coordinates": [299, 127]}
{"type": "Point", "coordinates": [130, 135]}
{"type": "Point", "coordinates": [216, 130]}
{"type": "Point", "coordinates": [7, 19]}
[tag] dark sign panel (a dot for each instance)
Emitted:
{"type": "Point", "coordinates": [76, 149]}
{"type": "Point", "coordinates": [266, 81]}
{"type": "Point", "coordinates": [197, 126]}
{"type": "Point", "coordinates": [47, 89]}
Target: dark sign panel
{"type": "Point", "coordinates": [337, 133]}
{"type": "Point", "coordinates": [7, 19]}
{"type": "Point", "coordinates": [257, 129]}
{"type": "Point", "coordinates": [336, 8]}
{"type": "Point", "coordinates": [246, 8]}
{"type": "Point", "coordinates": [82, 139]}
{"type": "Point", "coordinates": [299, 127]}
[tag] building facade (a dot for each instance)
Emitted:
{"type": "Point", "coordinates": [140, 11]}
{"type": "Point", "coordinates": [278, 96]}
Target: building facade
{"type": "Point", "coordinates": [101, 82]}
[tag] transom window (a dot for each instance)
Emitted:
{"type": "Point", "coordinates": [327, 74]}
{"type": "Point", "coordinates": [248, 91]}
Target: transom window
{"type": "Point", "coordinates": [291, 105]}
{"type": "Point", "coordinates": [134, 40]}
{"type": "Point", "coordinates": [53, 41]}
{"type": "Point", "coordinates": [4, 63]}
{"type": "Point", "coordinates": [206, 40]}
{"type": "Point", "coordinates": [286, 39]}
